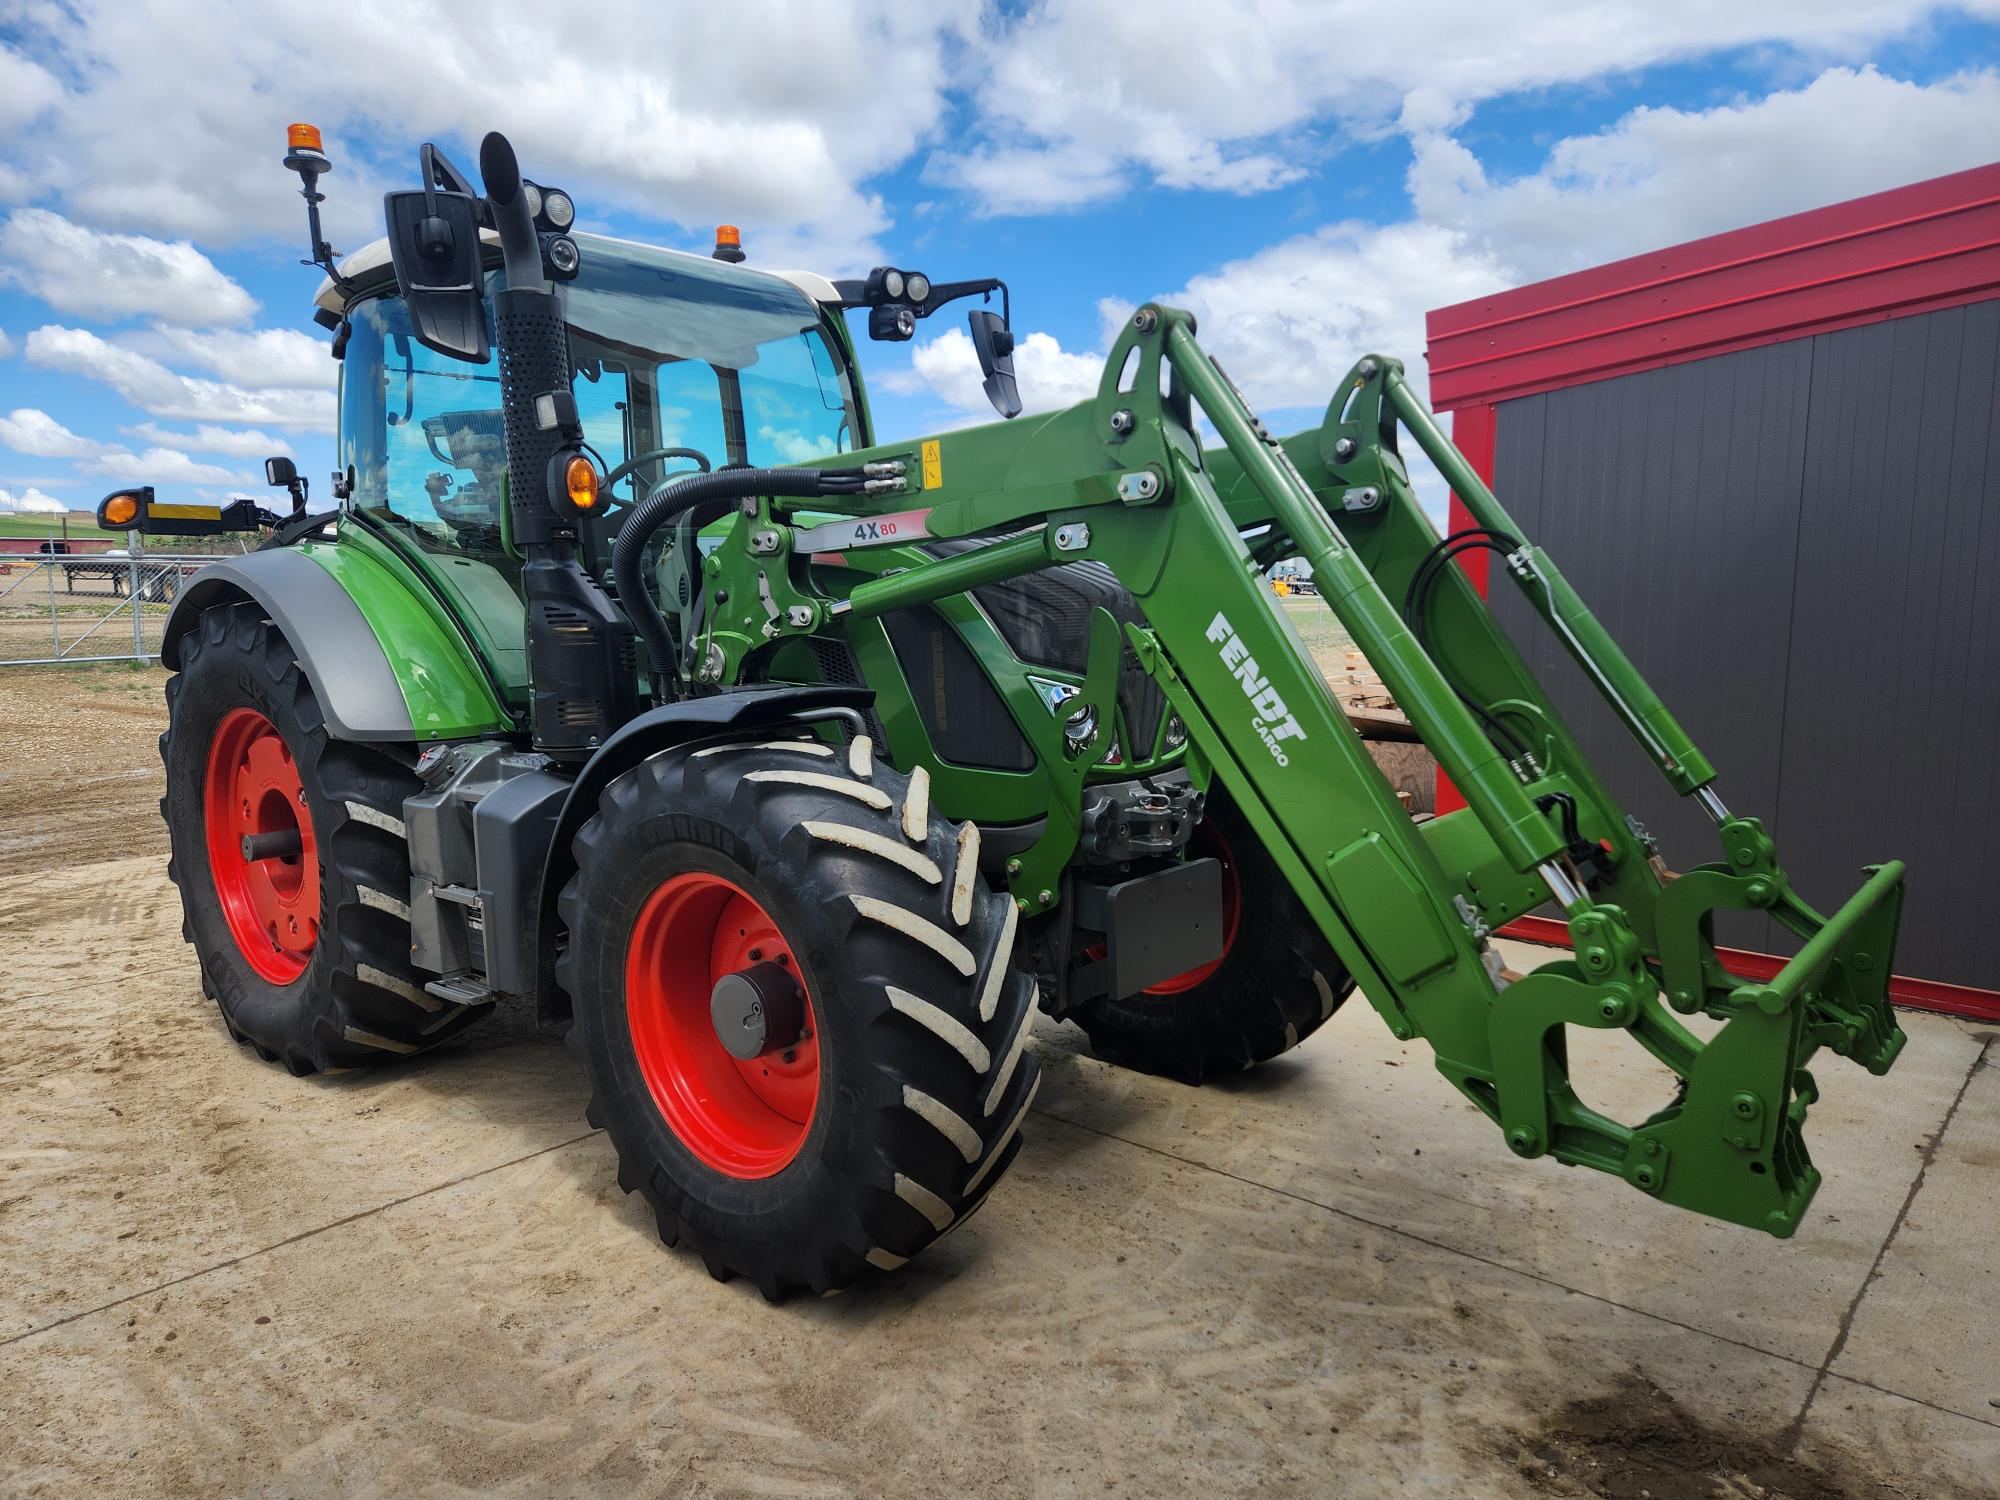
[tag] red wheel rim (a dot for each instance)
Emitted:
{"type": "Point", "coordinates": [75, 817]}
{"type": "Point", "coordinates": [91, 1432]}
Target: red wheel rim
{"type": "Point", "coordinates": [251, 788]}
{"type": "Point", "coordinates": [744, 1118]}
{"type": "Point", "coordinates": [1209, 842]}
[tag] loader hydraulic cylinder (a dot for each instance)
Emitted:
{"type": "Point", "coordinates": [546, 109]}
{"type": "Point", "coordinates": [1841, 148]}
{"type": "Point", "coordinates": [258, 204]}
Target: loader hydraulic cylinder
{"type": "Point", "coordinates": [1524, 836]}
{"type": "Point", "coordinates": [1658, 733]}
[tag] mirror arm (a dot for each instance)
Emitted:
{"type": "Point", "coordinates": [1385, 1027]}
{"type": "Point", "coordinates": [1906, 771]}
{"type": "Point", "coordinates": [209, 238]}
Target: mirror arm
{"type": "Point", "coordinates": [951, 291]}
{"type": "Point", "coordinates": [440, 171]}
{"type": "Point", "coordinates": [854, 293]}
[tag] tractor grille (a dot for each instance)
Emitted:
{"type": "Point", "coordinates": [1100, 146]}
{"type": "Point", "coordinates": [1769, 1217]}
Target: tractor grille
{"type": "Point", "coordinates": [1045, 619]}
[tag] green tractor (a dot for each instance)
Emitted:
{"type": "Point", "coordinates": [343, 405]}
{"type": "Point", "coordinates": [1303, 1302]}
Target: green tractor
{"type": "Point", "coordinates": [634, 676]}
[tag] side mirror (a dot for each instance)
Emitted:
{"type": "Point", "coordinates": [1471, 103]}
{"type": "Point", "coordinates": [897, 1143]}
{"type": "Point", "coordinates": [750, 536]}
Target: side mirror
{"type": "Point", "coordinates": [280, 473]}
{"type": "Point", "coordinates": [434, 243]}
{"type": "Point", "coordinates": [993, 340]}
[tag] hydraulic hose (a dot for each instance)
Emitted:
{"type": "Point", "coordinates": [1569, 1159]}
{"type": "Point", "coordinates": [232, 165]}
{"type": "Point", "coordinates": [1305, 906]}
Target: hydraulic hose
{"type": "Point", "coordinates": [669, 502]}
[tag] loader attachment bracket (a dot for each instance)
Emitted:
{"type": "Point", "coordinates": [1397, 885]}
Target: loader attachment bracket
{"type": "Point", "coordinates": [1732, 1144]}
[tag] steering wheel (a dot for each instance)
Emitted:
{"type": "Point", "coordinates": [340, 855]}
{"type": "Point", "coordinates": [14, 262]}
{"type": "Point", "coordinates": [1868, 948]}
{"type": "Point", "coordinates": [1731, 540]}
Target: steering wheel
{"type": "Point", "coordinates": [695, 455]}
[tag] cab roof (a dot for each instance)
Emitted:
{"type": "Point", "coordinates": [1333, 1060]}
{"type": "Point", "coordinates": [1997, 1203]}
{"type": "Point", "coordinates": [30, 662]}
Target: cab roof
{"type": "Point", "coordinates": [369, 268]}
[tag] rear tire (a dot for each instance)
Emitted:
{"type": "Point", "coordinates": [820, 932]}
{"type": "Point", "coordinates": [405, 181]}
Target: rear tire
{"type": "Point", "coordinates": [334, 989]}
{"type": "Point", "coordinates": [702, 861]}
{"type": "Point", "coordinates": [1277, 982]}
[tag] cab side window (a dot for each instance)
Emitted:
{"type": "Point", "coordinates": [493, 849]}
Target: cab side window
{"type": "Point", "coordinates": [426, 446]}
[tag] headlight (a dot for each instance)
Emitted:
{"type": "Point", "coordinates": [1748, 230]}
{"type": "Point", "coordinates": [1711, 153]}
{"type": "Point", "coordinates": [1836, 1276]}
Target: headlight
{"type": "Point", "coordinates": [918, 286]}
{"type": "Point", "coordinates": [534, 196]}
{"type": "Point", "coordinates": [560, 211]}
{"type": "Point", "coordinates": [892, 284]}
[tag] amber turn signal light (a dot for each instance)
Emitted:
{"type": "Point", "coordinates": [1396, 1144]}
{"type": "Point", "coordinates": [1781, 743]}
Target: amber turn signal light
{"type": "Point", "coordinates": [580, 483]}
{"type": "Point", "coordinates": [121, 510]}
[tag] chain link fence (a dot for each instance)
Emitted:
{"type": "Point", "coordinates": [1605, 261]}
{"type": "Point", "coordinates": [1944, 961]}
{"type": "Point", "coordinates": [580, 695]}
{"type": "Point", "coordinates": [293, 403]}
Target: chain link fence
{"type": "Point", "coordinates": [88, 606]}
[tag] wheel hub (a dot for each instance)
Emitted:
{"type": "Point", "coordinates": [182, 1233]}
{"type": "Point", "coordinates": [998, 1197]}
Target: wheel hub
{"type": "Point", "coordinates": [757, 1010]}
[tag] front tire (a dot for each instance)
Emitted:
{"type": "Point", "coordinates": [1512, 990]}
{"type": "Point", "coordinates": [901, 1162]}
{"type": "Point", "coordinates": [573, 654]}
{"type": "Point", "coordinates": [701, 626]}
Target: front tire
{"type": "Point", "coordinates": [891, 1102]}
{"type": "Point", "coordinates": [305, 952]}
{"type": "Point", "coordinates": [1276, 983]}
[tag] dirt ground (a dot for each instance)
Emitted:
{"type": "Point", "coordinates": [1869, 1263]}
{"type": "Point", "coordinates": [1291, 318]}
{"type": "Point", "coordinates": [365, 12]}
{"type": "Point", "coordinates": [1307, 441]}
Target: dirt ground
{"type": "Point", "coordinates": [1324, 1278]}
{"type": "Point", "coordinates": [80, 779]}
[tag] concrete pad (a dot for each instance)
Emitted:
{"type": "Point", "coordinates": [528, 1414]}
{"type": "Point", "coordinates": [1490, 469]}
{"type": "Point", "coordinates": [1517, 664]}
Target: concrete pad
{"type": "Point", "coordinates": [1358, 1121]}
{"type": "Point", "coordinates": [1941, 1453]}
{"type": "Point", "coordinates": [1929, 1323]}
{"type": "Point", "coordinates": [456, 1298]}
{"type": "Point", "coordinates": [139, 1144]}
{"type": "Point", "coordinates": [1114, 1323]}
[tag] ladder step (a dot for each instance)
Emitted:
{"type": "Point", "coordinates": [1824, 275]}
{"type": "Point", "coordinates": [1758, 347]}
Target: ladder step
{"type": "Point", "coordinates": [460, 989]}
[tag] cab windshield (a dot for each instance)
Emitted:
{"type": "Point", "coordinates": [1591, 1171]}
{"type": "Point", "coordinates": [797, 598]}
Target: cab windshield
{"type": "Point", "coordinates": [667, 352]}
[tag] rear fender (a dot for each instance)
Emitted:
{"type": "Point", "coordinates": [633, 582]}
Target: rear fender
{"type": "Point", "coordinates": [383, 666]}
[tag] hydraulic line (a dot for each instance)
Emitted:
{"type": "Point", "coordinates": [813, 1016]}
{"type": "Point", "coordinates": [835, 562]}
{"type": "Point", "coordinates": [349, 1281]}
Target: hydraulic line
{"type": "Point", "coordinates": [670, 501]}
{"type": "Point", "coordinates": [1416, 610]}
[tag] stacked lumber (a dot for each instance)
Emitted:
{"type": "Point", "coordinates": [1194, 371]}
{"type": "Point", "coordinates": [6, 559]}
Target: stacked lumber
{"type": "Point", "coordinates": [1361, 691]}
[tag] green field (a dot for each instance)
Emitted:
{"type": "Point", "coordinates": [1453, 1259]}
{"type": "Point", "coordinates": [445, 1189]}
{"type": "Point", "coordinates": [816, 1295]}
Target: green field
{"type": "Point", "coordinates": [81, 524]}
{"type": "Point", "coordinates": [1317, 626]}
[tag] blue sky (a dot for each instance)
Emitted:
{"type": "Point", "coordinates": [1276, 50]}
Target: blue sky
{"type": "Point", "coordinates": [1310, 179]}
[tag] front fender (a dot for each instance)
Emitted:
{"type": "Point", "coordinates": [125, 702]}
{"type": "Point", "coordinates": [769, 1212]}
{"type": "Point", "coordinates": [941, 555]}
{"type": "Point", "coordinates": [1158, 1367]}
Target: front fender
{"type": "Point", "coordinates": [383, 666]}
{"type": "Point", "coordinates": [742, 710]}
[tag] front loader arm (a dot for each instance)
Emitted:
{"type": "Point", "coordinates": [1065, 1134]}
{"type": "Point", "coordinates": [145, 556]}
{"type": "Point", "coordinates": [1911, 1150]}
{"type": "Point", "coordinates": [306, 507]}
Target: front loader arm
{"type": "Point", "coordinates": [1122, 480]}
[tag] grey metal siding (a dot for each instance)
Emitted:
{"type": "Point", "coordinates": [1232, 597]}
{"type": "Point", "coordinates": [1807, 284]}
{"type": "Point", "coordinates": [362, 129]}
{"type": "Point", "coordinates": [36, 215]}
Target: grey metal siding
{"type": "Point", "coordinates": [1799, 545]}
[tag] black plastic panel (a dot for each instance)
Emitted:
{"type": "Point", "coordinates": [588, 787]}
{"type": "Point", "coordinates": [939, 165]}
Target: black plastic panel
{"type": "Point", "coordinates": [963, 713]}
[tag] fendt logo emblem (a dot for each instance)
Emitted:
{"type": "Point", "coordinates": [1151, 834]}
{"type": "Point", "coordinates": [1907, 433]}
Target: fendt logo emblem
{"type": "Point", "coordinates": [1269, 716]}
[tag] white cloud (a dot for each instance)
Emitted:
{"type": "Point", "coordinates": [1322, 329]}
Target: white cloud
{"type": "Point", "coordinates": [759, 112]}
{"type": "Point", "coordinates": [1049, 376]}
{"type": "Point", "coordinates": [26, 91]}
{"type": "Point", "coordinates": [157, 466]}
{"type": "Point", "coordinates": [27, 430]}
{"type": "Point", "coordinates": [1292, 319]}
{"type": "Point", "coordinates": [1188, 93]}
{"type": "Point", "coordinates": [249, 443]}
{"type": "Point", "coordinates": [1661, 176]}
{"type": "Point", "coordinates": [1030, 179]}
{"type": "Point", "coordinates": [30, 499]}
{"type": "Point", "coordinates": [110, 276]}
{"type": "Point", "coordinates": [264, 357]}
{"type": "Point", "coordinates": [160, 392]}
{"type": "Point", "coordinates": [31, 431]}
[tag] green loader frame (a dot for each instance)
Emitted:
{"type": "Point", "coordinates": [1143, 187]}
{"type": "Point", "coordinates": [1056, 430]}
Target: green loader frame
{"type": "Point", "coordinates": [1123, 480]}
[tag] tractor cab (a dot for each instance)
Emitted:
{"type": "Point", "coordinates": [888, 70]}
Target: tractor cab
{"type": "Point", "coordinates": [680, 364]}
